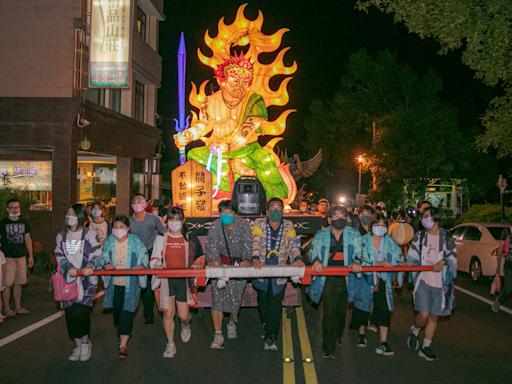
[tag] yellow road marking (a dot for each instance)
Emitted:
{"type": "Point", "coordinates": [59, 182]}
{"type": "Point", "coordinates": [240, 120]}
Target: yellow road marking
{"type": "Point", "coordinates": [305, 347]}
{"type": "Point", "coordinates": [288, 367]}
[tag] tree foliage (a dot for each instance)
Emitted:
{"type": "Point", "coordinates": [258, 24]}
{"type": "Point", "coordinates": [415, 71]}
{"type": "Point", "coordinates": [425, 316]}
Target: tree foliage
{"type": "Point", "coordinates": [483, 30]}
{"type": "Point", "coordinates": [485, 213]}
{"type": "Point", "coordinates": [417, 133]}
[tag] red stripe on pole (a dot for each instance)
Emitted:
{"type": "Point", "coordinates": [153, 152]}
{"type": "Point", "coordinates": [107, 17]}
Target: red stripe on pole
{"type": "Point", "coordinates": [190, 272]}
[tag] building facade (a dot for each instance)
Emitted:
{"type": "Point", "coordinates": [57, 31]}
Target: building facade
{"type": "Point", "coordinates": [61, 140]}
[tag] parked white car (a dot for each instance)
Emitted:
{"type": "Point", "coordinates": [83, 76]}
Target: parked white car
{"type": "Point", "coordinates": [478, 245]}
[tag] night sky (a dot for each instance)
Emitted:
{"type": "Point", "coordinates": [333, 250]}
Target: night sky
{"type": "Point", "coordinates": [322, 36]}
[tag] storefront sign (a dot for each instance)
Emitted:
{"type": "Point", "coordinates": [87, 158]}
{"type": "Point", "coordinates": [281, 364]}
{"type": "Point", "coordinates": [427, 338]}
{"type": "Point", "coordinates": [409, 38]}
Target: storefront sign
{"type": "Point", "coordinates": [110, 43]}
{"type": "Point", "coordinates": [192, 189]}
{"type": "Point", "coordinates": [26, 175]}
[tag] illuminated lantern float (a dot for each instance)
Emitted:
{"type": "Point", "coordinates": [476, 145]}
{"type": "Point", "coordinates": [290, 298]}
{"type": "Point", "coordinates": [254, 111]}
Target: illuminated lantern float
{"type": "Point", "coordinates": [236, 115]}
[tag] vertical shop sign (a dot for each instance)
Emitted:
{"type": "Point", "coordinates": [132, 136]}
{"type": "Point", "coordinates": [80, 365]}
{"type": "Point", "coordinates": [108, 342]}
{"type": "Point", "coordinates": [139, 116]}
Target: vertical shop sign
{"type": "Point", "coordinates": [192, 189]}
{"type": "Point", "coordinates": [110, 43]}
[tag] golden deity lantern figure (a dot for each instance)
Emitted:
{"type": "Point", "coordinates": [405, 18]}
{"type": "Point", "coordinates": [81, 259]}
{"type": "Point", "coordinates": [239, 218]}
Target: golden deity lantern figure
{"type": "Point", "coordinates": [236, 115]}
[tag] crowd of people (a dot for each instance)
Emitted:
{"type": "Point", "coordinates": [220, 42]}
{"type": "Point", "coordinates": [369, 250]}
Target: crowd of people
{"type": "Point", "coordinates": [353, 237]}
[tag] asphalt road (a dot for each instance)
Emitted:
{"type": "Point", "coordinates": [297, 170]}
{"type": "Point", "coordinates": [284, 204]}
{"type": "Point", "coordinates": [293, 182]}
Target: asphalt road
{"type": "Point", "coordinates": [473, 346]}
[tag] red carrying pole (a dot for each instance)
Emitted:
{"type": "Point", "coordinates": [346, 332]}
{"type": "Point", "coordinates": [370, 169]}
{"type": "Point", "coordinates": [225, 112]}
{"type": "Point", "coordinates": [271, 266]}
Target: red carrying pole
{"type": "Point", "coordinates": [174, 273]}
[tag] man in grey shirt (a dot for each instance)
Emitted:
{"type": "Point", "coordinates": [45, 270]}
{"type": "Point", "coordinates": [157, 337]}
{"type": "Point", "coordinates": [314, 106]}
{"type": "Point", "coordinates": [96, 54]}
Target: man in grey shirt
{"type": "Point", "coordinates": [145, 226]}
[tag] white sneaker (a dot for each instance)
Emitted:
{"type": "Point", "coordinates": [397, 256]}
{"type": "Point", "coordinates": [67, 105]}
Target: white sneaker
{"type": "Point", "coordinates": [170, 350]}
{"type": "Point", "coordinates": [496, 306]}
{"type": "Point", "coordinates": [232, 330]}
{"type": "Point", "coordinates": [85, 351]}
{"type": "Point", "coordinates": [75, 356]}
{"type": "Point", "coordinates": [218, 342]}
{"type": "Point", "coordinates": [186, 333]}
{"type": "Point", "coordinates": [372, 327]}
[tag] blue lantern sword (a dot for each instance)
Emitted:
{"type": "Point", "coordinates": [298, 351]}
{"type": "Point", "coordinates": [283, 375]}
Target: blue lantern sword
{"type": "Point", "coordinates": [181, 124]}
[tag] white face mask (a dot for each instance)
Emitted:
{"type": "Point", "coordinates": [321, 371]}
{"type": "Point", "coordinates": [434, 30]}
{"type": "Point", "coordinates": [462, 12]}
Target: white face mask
{"type": "Point", "coordinates": [72, 221]}
{"type": "Point", "coordinates": [174, 226]}
{"type": "Point", "coordinates": [379, 230]}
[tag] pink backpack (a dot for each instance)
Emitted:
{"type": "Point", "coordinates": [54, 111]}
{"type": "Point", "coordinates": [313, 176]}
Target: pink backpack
{"type": "Point", "coordinates": [61, 290]}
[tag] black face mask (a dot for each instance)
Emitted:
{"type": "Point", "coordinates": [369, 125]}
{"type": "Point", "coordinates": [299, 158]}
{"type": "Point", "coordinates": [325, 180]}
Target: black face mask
{"type": "Point", "coordinates": [340, 223]}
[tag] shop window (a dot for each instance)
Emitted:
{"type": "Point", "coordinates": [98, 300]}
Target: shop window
{"type": "Point", "coordinates": [116, 100]}
{"type": "Point", "coordinates": [141, 23]}
{"type": "Point", "coordinates": [139, 101]}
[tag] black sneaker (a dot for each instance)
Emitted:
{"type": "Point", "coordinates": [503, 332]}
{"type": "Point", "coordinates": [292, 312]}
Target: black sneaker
{"type": "Point", "coordinates": [328, 354]}
{"type": "Point", "coordinates": [412, 341]}
{"type": "Point", "coordinates": [427, 354]}
{"type": "Point", "coordinates": [150, 320]}
{"type": "Point", "coordinates": [339, 342]}
{"type": "Point", "coordinates": [383, 349]}
{"type": "Point", "coordinates": [361, 342]}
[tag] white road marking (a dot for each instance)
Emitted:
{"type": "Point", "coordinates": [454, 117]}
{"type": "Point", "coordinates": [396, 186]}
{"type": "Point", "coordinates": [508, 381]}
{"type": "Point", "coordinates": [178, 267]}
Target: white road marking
{"type": "Point", "coordinates": [55, 316]}
{"type": "Point", "coordinates": [487, 301]}
{"type": "Point", "coordinates": [39, 324]}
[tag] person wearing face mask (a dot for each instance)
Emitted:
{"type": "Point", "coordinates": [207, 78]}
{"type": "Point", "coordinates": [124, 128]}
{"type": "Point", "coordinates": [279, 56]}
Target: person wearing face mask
{"type": "Point", "coordinates": [16, 244]}
{"type": "Point", "coordinates": [98, 223]}
{"type": "Point", "coordinates": [304, 208]}
{"type": "Point", "coordinates": [176, 248]}
{"type": "Point", "coordinates": [228, 243]}
{"type": "Point", "coordinates": [416, 220]}
{"type": "Point", "coordinates": [433, 291]}
{"type": "Point", "coordinates": [365, 214]}
{"type": "Point", "coordinates": [145, 226]}
{"type": "Point", "coordinates": [379, 250]}
{"type": "Point", "coordinates": [337, 245]}
{"type": "Point", "coordinates": [122, 250]}
{"type": "Point", "coordinates": [78, 249]}
{"type": "Point", "coordinates": [274, 241]}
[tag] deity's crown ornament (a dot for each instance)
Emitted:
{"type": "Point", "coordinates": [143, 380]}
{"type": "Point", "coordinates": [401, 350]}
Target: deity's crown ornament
{"type": "Point", "coordinates": [238, 64]}
{"type": "Point", "coordinates": [247, 33]}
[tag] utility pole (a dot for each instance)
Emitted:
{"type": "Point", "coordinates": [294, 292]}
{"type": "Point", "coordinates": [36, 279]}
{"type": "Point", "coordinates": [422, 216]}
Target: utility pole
{"type": "Point", "coordinates": [360, 158]}
{"type": "Point", "coordinates": [502, 185]}
{"type": "Point", "coordinates": [374, 141]}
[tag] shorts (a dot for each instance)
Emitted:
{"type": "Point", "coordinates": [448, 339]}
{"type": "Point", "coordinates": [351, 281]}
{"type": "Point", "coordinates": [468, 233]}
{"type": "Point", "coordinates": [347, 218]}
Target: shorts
{"type": "Point", "coordinates": [429, 299]}
{"type": "Point", "coordinates": [15, 271]}
{"type": "Point", "coordinates": [178, 288]}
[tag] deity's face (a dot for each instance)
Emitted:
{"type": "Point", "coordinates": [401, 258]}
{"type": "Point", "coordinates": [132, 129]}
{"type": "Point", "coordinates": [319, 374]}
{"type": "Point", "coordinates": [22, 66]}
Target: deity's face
{"type": "Point", "coordinates": [236, 85]}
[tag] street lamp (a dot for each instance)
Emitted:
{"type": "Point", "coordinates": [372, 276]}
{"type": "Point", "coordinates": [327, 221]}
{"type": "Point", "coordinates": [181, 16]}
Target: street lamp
{"type": "Point", "coordinates": [360, 158]}
{"type": "Point", "coordinates": [342, 199]}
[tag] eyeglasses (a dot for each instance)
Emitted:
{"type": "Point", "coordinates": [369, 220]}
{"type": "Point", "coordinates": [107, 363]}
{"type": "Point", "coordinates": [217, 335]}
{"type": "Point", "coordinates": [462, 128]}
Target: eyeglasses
{"type": "Point", "coordinates": [139, 202]}
{"type": "Point", "coordinates": [341, 216]}
{"type": "Point", "coordinates": [14, 207]}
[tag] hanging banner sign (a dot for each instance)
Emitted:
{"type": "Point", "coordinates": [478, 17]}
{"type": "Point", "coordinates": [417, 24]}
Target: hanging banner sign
{"type": "Point", "coordinates": [109, 63]}
{"type": "Point", "coordinates": [192, 189]}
